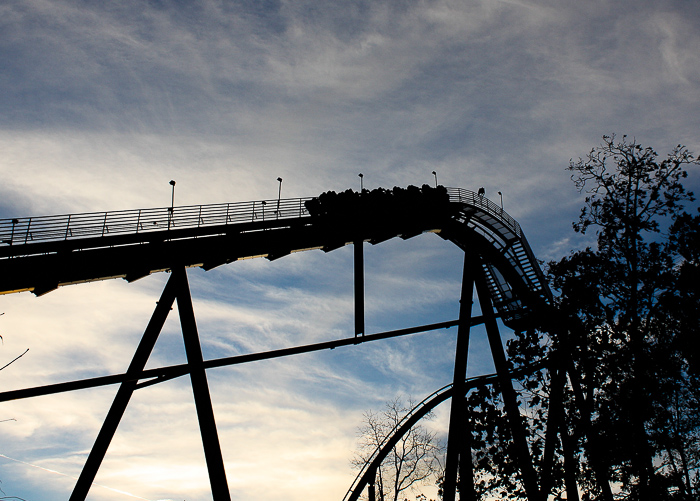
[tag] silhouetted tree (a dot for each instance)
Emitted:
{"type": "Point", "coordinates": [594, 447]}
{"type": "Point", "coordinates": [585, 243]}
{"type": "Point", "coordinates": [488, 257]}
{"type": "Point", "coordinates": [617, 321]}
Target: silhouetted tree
{"type": "Point", "coordinates": [626, 331]}
{"type": "Point", "coordinates": [629, 355]}
{"type": "Point", "coordinates": [414, 461]}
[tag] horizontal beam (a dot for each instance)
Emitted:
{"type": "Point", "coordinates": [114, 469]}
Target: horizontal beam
{"type": "Point", "coordinates": [161, 374]}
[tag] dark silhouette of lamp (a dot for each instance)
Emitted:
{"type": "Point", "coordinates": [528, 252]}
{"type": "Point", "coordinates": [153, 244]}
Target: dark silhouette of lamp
{"type": "Point", "coordinates": [172, 204]}
{"type": "Point", "coordinates": [279, 196]}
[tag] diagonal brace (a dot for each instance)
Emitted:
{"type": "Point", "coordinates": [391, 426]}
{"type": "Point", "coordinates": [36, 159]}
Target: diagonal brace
{"type": "Point", "coordinates": [200, 388]}
{"type": "Point", "coordinates": [458, 456]}
{"type": "Point", "coordinates": [121, 400]}
{"type": "Point", "coordinates": [510, 401]}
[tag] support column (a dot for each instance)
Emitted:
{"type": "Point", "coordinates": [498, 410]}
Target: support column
{"type": "Point", "coordinates": [359, 288]}
{"type": "Point", "coordinates": [457, 450]}
{"type": "Point", "coordinates": [200, 389]}
{"type": "Point", "coordinates": [121, 400]}
{"type": "Point", "coordinates": [466, 485]}
{"type": "Point", "coordinates": [371, 488]}
{"type": "Point", "coordinates": [555, 426]}
{"type": "Point", "coordinates": [510, 401]}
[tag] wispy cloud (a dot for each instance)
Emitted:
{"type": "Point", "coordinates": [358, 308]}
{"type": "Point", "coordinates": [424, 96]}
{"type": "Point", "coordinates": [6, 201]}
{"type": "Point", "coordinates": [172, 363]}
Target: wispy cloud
{"type": "Point", "coordinates": [102, 105]}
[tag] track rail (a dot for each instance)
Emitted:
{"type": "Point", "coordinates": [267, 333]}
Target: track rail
{"type": "Point", "coordinates": [509, 259]}
{"type": "Point", "coordinates": [42, 253]}
{"type": "Point", "coordinates": [15, 233]}
{"type": "Point", "coordinates": [418, 412]}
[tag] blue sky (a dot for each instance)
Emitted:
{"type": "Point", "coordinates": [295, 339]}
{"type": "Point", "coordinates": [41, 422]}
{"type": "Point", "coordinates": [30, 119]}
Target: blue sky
{"type": "Point", "coordinates": [103, 103]}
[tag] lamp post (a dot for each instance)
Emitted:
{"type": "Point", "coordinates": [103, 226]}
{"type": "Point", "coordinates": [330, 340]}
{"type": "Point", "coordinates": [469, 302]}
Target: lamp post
{"type": "Point", "coordinates": [279, 196]}
{"type": "Point", "coordinates": [362, 186]}
{"type": "Point", "coordinates": [172, 204]}
{"type": "Point", "coordinates": [435, 174]}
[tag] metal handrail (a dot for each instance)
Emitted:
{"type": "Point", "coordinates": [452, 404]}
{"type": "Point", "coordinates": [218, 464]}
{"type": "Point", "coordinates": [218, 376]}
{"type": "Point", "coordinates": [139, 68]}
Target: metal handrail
{"type": "Point", "coordinates": [99, 224]}
{"type": "Point", "coordinates": [468, 197]}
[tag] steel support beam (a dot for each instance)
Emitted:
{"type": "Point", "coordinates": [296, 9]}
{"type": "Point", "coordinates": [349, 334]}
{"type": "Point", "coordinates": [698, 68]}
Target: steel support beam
{"type": "Point", "coordinates": [371, 488]}
{"type": "Point", "coordinates": [510, 401]}
{"type": "Point", "coordinates": [200, 389]}
{"type": "Point", "coordinates": [158, 375]}
{"type": "Point", "coordinates": [359, 268]}
{"type": "Point", "coordinates": [457, 453]}
{"type": "Point", "coordinates": [467, 485]}
{"type": "Point", "coordinates": [121, 400]}
{"type": "Point", "coordinates": [555, 426]}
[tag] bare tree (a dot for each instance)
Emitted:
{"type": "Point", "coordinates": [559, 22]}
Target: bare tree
{"type": "Point", "coordinates": [415, 460]}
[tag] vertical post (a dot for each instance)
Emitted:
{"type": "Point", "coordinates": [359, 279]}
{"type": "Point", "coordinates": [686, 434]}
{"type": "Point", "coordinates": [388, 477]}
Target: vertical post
{"type": "Point", "coordinates": [29, 225]}
{"type": "Point", "coordinates": [67, 227]}
{"type": "Point", "coordinates": [555, 425]}
{"type": "Point", "coordinates": [466, 485]}
{"type": "Point", "coordinates": [570, 465]}
{"type": "Point", "coordinates": [371, 489]}
{"type": "Point", "coordinates": [510, 401]}
{"type": "Point", "coordinates": [200, 389]}
{"type": "Point", "coordinates": [12, 235]}
{"type": "Point", "coordinates": [457, 454]}
{"type": "Point", "coordinates": [359, 288]}
{"type": "Point", "coordinates": [121, 400]}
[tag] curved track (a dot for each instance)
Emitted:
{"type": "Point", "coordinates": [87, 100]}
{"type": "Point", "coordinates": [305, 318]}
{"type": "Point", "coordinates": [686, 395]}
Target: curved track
{"type": "Point", "coordinates": [407, 422]}
{"type": "Point", "coordinates": [368, 471]}
{"type": "Point", "coordinates": [39, 254]}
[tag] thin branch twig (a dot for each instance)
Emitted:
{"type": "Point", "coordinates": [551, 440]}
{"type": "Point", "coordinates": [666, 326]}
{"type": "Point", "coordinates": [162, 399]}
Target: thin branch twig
{"type": "Point", "coordinates": [16, 358]}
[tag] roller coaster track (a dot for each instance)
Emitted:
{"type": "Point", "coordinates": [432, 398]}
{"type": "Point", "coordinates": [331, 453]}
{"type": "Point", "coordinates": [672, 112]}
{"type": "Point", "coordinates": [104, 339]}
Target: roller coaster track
{"type": "Point", "coordinates": [39, 254]}
{"type": "Point", "coordinates": [418, 412]}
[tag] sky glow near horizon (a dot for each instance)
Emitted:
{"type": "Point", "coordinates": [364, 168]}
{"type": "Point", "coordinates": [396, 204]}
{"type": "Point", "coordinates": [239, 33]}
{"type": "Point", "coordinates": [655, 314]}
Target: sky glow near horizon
{"type": "Point", "coordinates": [103, 104]}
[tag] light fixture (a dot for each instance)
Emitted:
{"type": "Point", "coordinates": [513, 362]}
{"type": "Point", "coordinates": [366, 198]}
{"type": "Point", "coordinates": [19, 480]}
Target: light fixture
{"type": "Point", "coordinates": [279, 196]}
